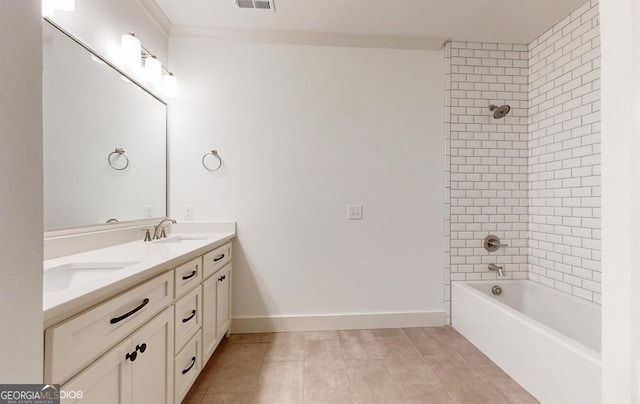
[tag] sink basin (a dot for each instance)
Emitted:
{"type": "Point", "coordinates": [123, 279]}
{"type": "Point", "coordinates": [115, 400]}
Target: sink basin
{"type": "Point", "coordinates": [180, 239]}
{"type": "Point", "coordinates": [60, 277]}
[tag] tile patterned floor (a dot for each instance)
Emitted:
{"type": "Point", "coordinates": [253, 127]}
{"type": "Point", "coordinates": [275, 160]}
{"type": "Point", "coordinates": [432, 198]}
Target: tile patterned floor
{"type": "Point", "coordinates": [411, 365]}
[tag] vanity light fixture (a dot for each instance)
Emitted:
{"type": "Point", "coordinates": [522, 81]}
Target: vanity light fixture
{"type": "Point", "coordinates": [170, 85]}
{"type": "Point", "coordinates": [48, 6]}
{"type": "Point", "coordinates": [152, 69]}
{"type": "Point", "coordinates": [65, 5]}
{"type": "Point", "coordinates": [130, 50]}
{"type": "Point", "coordinates": [135, 55]}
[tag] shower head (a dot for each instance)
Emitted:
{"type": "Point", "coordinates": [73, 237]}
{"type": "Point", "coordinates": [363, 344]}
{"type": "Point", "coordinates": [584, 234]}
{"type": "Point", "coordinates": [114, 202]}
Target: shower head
{"type": "Point", "coordinates": [499, 112]}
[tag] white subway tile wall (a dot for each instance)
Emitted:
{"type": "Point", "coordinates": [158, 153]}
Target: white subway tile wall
{"type": "Point", "coordinates": [564, 155]}
{"type": "Point", "coordinates": [487, 160]}
{"type": "Point", "coordinates": [533, 177]}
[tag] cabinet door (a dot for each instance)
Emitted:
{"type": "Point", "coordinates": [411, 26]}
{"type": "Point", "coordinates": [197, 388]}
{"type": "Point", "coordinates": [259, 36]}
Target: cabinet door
{"type": "Point", "coordinates": [223, 296]}
{"type": "Point", "coordinates": [152, 371]}
{"type": "Point", "coordinates": [106, 381]}
{"type": "Point", "coordinates": [209, 312]}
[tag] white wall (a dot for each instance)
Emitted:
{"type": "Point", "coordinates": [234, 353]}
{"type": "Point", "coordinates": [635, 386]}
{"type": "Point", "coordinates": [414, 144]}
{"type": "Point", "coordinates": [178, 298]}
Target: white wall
{"type": "Point", "coordinates": [101, 23]}
{"type": "Point", "coordinates": [621, 201]}
{"type": "Point", "coordinates": [21, 192]}
{"type": "Point", "coordinates": [487, 158]}
{"type": "Point", "coordinates": [564, 159]}
{"type": "Point", "coordinates": [304, 131]}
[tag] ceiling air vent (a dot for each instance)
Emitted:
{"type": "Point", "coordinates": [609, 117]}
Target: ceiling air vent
{"type": "Point", "coordinates": [259, 4]}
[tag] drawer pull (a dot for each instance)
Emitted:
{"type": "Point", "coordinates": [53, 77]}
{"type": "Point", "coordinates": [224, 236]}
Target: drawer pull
{"type": "Point", "coordinates": [131, 356]}
{"type": "Point", "coordinates": [222, 278]}
{"type": "Point", "coordinates": [132, 312]}
{"type": "Point", "coordinates": [193, 362]}
{"type": "Point", "coordinates": [141, 348]}
{"type": "Point", "coordinates": [191, 275]}
{"type": "Point", "coordinates": [193, 314]}
{"type": "Point", "coordinates": [218, 258]}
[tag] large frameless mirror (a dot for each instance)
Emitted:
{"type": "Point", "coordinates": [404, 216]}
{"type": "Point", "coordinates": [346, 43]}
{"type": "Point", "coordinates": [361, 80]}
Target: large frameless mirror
{"type": "Point", "coordinates": [104, 140]}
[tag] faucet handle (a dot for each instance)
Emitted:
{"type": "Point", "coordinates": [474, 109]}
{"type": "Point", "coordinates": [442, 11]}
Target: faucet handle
{"type": "Point", "coordinates": [163, 233]}
{"type": "Point", "coordinates": [147, 234]}
{"type": "Point", "coordinates": [492, 243]}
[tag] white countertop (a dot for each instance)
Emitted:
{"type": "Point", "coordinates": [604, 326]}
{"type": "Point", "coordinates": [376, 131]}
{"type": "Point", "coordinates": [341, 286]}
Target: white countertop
{"type": "Point", "coordinates": [79, 281]}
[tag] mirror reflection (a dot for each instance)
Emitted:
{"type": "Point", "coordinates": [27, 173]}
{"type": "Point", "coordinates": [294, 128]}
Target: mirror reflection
{"type": "Point", "coordinates": [104, 140]}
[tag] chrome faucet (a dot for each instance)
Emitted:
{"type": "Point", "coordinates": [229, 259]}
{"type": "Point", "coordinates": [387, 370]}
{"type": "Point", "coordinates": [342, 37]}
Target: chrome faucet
{"type": "Point", "coordinates": [160, 227]}
{"type": "Point", "coordinates": [499, 269]}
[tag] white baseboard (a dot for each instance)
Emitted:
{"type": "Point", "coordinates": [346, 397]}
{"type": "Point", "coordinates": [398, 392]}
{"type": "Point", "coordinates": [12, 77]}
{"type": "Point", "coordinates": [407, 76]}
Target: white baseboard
{"type": "Point", "coordinates": [245, 325]}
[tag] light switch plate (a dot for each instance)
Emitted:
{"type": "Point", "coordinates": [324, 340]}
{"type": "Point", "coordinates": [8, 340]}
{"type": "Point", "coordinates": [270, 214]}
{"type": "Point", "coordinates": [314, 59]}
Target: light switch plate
{"type": "Point", "coordinates": [354, 212]}
{"type": "Point", "coordinates": [188, 212]}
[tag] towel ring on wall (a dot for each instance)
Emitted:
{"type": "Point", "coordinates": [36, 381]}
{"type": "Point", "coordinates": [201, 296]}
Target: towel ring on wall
{"type": "Point", "coordinates": [217, 165]}
{"type": "Point", "coordinates": [118, 152]}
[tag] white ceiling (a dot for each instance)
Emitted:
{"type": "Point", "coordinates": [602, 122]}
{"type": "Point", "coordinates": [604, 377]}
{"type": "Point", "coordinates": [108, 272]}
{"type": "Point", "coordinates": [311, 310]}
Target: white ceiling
{"type": "Point", "coordinates": [389, 23]}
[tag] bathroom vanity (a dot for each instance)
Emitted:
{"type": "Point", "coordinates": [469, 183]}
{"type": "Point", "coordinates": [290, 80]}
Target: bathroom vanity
{"type": "Point", "coordinates": [136, 322]}
{"type": "Point", "coordinates": [125, 320]}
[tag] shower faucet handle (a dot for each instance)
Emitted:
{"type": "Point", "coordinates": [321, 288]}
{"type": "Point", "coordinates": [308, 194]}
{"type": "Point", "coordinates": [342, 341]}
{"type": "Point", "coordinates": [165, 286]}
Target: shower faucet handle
{"type": "Point", "coordinates": [492, 243]}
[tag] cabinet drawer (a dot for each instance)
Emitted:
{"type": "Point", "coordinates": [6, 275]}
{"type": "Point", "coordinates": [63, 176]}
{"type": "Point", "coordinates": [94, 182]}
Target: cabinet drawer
{"type": "Point", "coordinates": [71, 345]}
{"type": "Point", "coordinates": [187, 367]}
{"type": "Point", "coordinates": [216, 259]}
{"type": "Point", "coordinates": [188, 319]}
{"type": "Point", "coordinates": [187, 276]}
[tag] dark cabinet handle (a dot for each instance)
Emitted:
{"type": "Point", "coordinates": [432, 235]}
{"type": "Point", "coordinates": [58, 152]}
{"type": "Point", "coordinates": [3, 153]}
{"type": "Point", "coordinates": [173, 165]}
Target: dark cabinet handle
{"type": "Point", "coordinates": [218, 258]}
{"type": "Point", "coordinates": [132, 312]}
{"type": "Point", "coordinates": [193, 362]}
{"type": "Point", "coordinates": [191, 275]}
{"type": "Point", "coordinates": [193, 314]}
{"type": "Point", "coordinates": [131, 356]}
{"type": "Point", "coordinates": [223, 277]}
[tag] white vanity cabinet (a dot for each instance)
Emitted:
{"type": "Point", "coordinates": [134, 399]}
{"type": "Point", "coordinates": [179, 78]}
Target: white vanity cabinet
{"type": "Point", "coordinates": [223, 300]}
{"type": "Point", "coordinates": [149, 343]}
{"type": "Point", "coordinates": [138, 370]}
{"type": "Point", "coordinates": [188, 364]}
{"type": "Point", "coordinates": [188, 353]}
{"type": "Point", "coordinates": [216, 298]}
{"type": "Point", "coordinates": [72, 344]}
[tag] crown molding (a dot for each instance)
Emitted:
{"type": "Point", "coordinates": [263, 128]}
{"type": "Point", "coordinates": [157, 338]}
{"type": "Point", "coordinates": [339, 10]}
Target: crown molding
{"type": "Point", "coordinates": [310, 38]}
{"type": "Point", "coordinates": [156, 15]}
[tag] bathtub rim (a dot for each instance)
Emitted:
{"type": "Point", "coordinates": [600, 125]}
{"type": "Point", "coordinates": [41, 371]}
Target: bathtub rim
{"type": "Point", "coordinates": [571, 344]}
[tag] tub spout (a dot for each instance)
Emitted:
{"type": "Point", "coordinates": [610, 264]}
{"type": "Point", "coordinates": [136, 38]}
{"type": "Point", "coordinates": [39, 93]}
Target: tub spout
{"type": "Point", "coordinates": [497, 268]}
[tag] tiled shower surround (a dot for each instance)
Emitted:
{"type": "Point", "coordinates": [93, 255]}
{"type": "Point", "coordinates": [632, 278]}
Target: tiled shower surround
{"type": "Point", "coordinates": [531, 178]}
{"type": "Point", "coordinates": [564, 155]}
{"type": "Point", "coordinates": [487, 158]}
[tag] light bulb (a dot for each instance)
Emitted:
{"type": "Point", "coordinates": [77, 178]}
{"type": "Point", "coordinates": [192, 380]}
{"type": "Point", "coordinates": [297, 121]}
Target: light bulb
{"type": "Point", "coordinates": [47, 8]}
{"type": "Point", "coordinates": [65, 5]}
{"type": "Point", "coordinates": [170, 85]}
{"type": "Point", "coordinates": [131, 50]}
{"type": "Point", "coordinates": [152, 69]}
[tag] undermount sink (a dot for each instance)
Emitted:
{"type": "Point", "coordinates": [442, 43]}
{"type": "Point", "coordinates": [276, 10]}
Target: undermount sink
{"type": "Point", "coordinates": [180, 239]}
{"type": "Point", "coordinates": [60, 277]}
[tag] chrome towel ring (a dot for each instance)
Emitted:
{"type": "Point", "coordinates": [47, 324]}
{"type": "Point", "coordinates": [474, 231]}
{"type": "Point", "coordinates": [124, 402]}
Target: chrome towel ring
{"type": "Point", "coordinates": [215, 166]}
{"type": "Point", "coordinates": [118, 152]}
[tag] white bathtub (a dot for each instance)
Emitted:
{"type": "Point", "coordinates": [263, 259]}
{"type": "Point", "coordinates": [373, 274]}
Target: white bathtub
{"type": "Point", "coordinates": [546, 340]}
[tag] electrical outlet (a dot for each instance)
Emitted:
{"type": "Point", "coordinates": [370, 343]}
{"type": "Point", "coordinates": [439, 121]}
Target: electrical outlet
{"type": "Point", "coordinates": [354, 212]}
{"type": "Point", "coordinates": [149, 211]}
{"type": "Point", "coordinates": [188, 212]}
